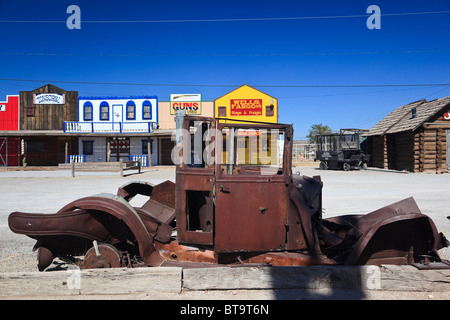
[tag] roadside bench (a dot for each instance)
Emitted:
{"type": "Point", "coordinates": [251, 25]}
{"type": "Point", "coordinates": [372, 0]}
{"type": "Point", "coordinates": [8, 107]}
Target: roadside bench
{"type": "Point", "coordinates": [120, 166]}
{"type": "Point", "coordinates": [129, 165]}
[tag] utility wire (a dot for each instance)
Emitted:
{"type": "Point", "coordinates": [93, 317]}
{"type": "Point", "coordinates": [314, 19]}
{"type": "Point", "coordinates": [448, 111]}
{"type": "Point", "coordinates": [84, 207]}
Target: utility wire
{"type": "Point", "coordinates": [292, 54]}
{"type": "Point", "coordinates": [234, 85]}
{"type": "Point", "coordinates": [228, 20]}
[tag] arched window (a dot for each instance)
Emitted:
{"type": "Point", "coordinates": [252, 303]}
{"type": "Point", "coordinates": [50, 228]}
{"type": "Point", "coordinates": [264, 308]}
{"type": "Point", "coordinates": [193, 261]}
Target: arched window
{"type": "Point", "coordinates": [87, 111]}
{"type": "Point", "coordinates": [104, 111]}
{"type": "Point", "coordinates": [146, 110]}
{"type": "Point", "coordinates": [131, 110]}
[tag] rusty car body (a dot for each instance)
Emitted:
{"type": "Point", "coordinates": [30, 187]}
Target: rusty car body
{"type": "Point", "coordinates": [238, 203]}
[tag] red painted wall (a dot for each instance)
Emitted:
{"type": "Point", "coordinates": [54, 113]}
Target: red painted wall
{"type": "Point", "coordinates": [9, 113]}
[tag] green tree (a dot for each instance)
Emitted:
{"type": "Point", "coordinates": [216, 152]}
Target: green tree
{"type": "Point", "coordinates": [317, 129]}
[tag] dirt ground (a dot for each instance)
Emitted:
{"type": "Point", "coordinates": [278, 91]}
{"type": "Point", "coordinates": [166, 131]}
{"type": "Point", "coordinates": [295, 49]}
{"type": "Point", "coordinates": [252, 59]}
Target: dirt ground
{"type": "Point", "coordinates": [353, 192]}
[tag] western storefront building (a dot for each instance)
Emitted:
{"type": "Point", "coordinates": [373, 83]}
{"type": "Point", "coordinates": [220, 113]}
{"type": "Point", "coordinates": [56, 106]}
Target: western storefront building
{"type": "Point", "coordinates": [40, 140]}
{"type": "Point", "coordinates": [249, 104]}
{"type": "Point", "coordinates": [111, 129]}
{"type": "Point", "coordinates": [191, 104]}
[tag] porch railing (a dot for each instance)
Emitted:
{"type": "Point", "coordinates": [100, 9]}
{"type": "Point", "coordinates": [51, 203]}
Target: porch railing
{"type": "Point", "coordinates": [142, 158]}
{"type": "Point", "coordinates": [109, 127]}
{"type": "Point", "coordinates": [76, 158]}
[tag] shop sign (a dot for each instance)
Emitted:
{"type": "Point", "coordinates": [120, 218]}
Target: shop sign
{"type": "Point", "coordinates": [249, 133]}
{"type": "Point", "coordinates": [49, 98]}
{"type": "Point", "coordinates": [2, 107]}
{"type": "Point", "coordinates": [190, 103]}
{"type": "Point", "coordinates": [246, 107]}
{"type": "Point", "coordinates": [447, 116]}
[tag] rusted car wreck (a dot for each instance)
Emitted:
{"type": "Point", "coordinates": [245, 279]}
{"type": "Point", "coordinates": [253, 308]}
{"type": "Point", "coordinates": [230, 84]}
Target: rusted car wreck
{"type": "Point", "coordinates": [235, 201]}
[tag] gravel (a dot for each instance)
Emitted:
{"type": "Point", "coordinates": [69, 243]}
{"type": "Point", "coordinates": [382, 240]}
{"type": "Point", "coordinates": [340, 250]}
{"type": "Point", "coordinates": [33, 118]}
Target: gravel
{"type": "Point", "coordinates": [353, 192]}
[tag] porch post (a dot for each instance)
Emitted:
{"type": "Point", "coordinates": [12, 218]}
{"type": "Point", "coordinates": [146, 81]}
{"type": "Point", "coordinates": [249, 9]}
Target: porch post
{"type": "Point", "coordinates": [66, 149]}
{"type": "Point", "coordinates": [108, 149]}
{"type": "Point", "coordinates": [149, 151]}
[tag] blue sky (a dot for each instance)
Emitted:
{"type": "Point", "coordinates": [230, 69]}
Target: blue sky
{"type": "Point", "coordinates": [211, 47]}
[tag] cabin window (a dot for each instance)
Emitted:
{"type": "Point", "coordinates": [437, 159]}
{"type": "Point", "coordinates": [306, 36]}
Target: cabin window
{"type": "Point", "coordinates": [88, 148]}
{"type": "Point", "coordinates": [146, 110]}
{"type": "Point", "coordinates": [270, 111]}
{"type": "Point", "coordinates": [87, 111]}
{"type": "Point", "coordinates": [222, 111]}
{"type": "Point", "coordinates": [259, 150]}
{"type": "Point", "coordinates": [104, 111]}
{"type": "Point", "coordinates": [145, 146]}
{"type": "Point", "coordinates": [131, 110]}
{"type": "Point", "coordinates": [31, 111]}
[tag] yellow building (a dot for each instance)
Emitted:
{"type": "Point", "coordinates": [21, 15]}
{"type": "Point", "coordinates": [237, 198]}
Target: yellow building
{"type": "Point", "coordinates": [253, 146]}
{"type": "Point", "coordinates": [248, 104]}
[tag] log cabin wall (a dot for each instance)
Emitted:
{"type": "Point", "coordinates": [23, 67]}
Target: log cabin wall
{"type": "Point", "coordinates": [431, 143]}
{"type": "Point", "coordinates": [376, 149]}
{"type": "Point", "coordinates": [427, 149]}
{"type": "Point", "coordinates": [400, 149]}
{"type": "Point", "coordinates": [35, 116]}
{"type": "Point", "coordinates": [442, 146]}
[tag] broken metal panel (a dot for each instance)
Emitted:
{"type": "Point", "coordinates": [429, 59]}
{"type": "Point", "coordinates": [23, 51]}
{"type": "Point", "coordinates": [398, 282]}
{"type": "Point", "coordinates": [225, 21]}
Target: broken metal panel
{"type": "Point", "coordinates": [252, 198]}
{"type": "Point", "coordinates": [195, 209]}
{"type": "Point", "coordinates": [250, 213]}
{"type": "Point", "coordinates": [305, 205]}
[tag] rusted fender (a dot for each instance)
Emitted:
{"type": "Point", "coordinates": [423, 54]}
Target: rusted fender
{"type": "Point", "coordinates": [398, 234]}
{"type": "Point", "coordinates": [131, 189]}
{"type": "Point", "coordinates": [121, 209]}
{"type": "Point", "coordinates": [65, 234]}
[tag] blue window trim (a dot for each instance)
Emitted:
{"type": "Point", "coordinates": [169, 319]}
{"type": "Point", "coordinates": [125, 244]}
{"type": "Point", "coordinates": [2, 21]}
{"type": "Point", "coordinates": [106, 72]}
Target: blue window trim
{"type": "Point", "coordinates": [131, 103]}
{"type": "Point", "coordinates": [103, 104]}
{"type": "Point", "coordinates": [86, 105]}
{"type": "Point", "coordinates": [144, 104]}
{"type": "Point", "coordinates": [144, 144]}
{"type": "Point", "coordinates": [85, 144]}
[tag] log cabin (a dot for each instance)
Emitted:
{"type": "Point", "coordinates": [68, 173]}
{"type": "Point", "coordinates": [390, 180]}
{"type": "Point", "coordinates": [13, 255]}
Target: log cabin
{"type": "Point", "coordinates": [414, 137]}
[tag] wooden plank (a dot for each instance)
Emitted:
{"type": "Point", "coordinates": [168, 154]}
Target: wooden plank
{"type": "Point", "coordinates": [262, 277]}
{"type": "Point", "coordinates": [409, 278]}
{"type": "Point", "coordinates": [91, 282]}
{"type": "Point", "coordinates": [389, 278]}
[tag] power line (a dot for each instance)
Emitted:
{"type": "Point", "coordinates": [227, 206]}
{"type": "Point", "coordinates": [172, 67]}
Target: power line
{"type": "Point", "coordinates": [230, 19]}
{"type": "Point", "coordinates": [288, 54]}
{"type": "Point", "coordinates": [233, 85]}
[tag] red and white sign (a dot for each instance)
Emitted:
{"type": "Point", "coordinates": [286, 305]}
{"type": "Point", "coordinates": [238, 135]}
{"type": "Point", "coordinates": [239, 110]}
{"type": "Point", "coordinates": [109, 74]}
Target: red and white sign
{"type": "Point", "coordinates": [447, 116]}
{"type": "Point", "coordinates": [246, 107]}
{"type": "Point", "coordinates": [248, 133]}
{"type": "Point", "coordinates": [190, 103]}
{"type": "Point", "coordinates": [9, 113]}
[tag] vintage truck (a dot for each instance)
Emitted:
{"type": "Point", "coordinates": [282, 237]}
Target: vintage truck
{"type": "Point", "coordinates": [234, 201]}
{"type": "Point", "coordinates": [341, 151]}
